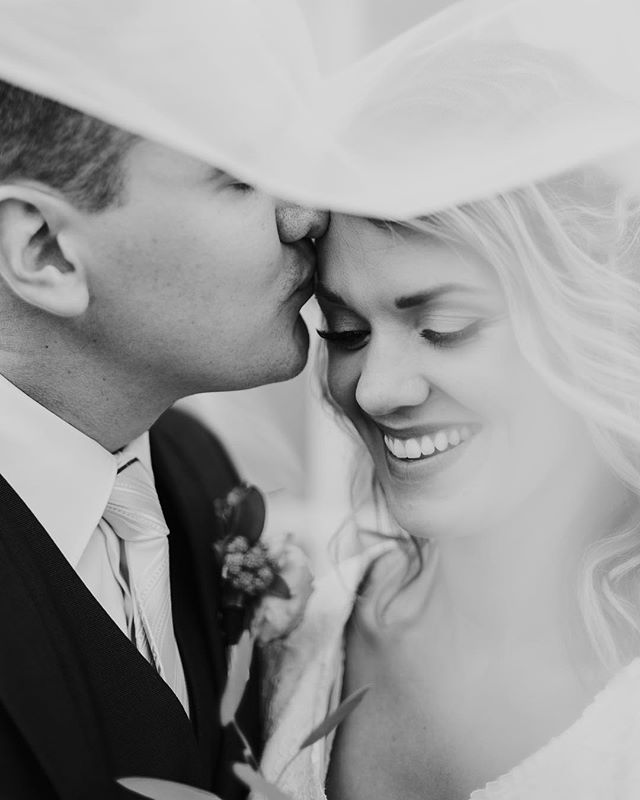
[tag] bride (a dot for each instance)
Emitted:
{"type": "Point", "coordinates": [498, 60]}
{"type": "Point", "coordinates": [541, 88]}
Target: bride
{"type": "Point", "coordinates": [488, 356]}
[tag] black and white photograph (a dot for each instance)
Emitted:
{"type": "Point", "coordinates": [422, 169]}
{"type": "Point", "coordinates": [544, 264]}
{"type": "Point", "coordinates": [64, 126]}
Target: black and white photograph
{"type": "Point", "coordinates": [320, 399]}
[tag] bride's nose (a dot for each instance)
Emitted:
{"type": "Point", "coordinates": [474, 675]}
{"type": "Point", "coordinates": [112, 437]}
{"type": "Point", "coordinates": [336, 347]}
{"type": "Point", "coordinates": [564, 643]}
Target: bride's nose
{"type": "Point", "coordinates": [389, 382]}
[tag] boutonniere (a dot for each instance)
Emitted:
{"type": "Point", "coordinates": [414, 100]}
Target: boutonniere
{"type": "Point", "coordinates": [265, 588]}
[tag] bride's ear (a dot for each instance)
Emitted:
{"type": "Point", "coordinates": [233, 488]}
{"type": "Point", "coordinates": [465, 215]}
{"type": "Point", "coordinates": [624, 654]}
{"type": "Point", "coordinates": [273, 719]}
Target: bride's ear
{"type": "Point", "coordinates": [38, 260]}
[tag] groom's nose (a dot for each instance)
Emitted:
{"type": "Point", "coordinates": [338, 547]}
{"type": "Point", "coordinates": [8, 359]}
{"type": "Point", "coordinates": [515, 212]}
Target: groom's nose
{"type": "Point", "coordinates": [297, 222]}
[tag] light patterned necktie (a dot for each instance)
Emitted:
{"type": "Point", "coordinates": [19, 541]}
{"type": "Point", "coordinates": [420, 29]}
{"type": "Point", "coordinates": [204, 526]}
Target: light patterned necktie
{"type": "Point", "coordinates": [141, 567]}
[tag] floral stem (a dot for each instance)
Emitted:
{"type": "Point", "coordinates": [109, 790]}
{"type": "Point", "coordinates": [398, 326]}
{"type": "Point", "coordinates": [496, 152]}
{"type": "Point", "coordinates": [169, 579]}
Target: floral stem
{"type": "Point", "coordinates": [248, 752]}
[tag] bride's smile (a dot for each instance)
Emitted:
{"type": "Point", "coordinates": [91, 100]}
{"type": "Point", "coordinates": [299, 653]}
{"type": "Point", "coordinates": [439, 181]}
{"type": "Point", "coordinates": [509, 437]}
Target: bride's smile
{"type": "Point", "coordinates": [426, 445]}
{"type": "Point", "coordinates": [410, 455]}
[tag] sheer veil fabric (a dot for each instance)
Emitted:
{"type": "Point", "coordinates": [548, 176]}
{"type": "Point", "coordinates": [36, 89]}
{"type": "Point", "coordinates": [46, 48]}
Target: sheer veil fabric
{"type": "Point", "coordinates": [482, 97]}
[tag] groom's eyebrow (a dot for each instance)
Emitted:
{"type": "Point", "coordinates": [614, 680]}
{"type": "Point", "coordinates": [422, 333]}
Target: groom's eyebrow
{"type": "Point", "coordinates": [214, 174]}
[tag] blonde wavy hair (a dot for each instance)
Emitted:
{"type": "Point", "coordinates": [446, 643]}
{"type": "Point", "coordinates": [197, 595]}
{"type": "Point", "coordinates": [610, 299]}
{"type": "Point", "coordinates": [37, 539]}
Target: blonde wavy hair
{"type": "Point", "coordinates": [567, 254]}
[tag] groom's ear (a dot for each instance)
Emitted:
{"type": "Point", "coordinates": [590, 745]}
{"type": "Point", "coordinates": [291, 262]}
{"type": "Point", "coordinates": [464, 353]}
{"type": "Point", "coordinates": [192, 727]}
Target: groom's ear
{"type": "Point", "coordinates": [38, 260]}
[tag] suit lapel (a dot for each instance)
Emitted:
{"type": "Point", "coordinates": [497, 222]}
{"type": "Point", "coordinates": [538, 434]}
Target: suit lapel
{"type": "Point", "coordinates": [194, 587]}
{"type": "Point", "coordinates": [191, 470]}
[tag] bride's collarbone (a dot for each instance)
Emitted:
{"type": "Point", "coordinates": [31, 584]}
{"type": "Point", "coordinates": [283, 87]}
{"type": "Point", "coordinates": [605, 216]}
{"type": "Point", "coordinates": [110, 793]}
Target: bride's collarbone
{"type": "Point", "coordinates": [435, 725]}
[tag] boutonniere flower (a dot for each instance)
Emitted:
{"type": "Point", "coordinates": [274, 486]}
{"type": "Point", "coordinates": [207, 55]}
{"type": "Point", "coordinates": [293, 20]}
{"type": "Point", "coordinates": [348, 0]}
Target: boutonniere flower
{"type": "Point", "coordinates": [265, 588]}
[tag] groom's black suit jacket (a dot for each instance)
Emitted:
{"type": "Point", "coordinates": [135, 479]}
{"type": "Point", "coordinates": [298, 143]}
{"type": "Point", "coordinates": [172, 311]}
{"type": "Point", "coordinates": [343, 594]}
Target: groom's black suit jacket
{"type": "Point", "coordinates": [79, 706]}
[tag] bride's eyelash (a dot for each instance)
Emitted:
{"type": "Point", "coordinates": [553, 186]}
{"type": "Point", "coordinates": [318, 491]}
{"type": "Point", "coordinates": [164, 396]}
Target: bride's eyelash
{"type": "Point", "coordinates": [451, 338]}
{"type": "Point", "coordinates": [345, 340]}
{"type": "Point", "coordinates": [355, 339]}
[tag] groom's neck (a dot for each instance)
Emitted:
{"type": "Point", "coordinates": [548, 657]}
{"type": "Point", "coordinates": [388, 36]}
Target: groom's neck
{"type": "Point", "coordinates": [111, 409]}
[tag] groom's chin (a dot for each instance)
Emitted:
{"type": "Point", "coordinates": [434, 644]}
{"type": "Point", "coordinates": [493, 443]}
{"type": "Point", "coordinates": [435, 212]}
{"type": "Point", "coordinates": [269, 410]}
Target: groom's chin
{"type": "Point", "coordinates": [299, 352]}
{"type": "Point", "coordinates": [278, 358]}
{"type": "Point", "coordinates": [289, 356]}
{"type": "Point", "coordinates": [282, 358]}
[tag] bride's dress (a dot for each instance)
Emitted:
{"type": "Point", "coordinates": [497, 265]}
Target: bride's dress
{"type": "Point", "coordinates": [596, 758]}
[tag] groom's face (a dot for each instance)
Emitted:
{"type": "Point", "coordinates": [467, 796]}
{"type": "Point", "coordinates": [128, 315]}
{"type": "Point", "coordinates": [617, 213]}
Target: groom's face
{"type": "Point", "coordinates": [198, 280]}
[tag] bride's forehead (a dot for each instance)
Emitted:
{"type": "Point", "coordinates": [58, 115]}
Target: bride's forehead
{"type": "Point", "coordinates": [367, 260]}
{"type": "Point", "coordinates": [345, 227]}
{"type": "Point", "coordinates": [357, 242]}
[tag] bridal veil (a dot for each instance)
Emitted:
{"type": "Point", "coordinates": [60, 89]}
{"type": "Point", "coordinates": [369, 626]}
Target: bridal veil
{"type": "Point", "coordinates": [479, 98]}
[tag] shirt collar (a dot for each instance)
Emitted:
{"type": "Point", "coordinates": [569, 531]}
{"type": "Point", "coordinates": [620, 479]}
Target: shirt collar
{"type": "Point", "coordinates": [62, 475]}
{"type": "Point", "coordinates": [141, 449]}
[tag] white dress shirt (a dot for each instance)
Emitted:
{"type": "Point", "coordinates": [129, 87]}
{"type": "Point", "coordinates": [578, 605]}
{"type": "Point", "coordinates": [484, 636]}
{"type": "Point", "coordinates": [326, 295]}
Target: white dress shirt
{"type": "Point", "coordinates": [66, 479]}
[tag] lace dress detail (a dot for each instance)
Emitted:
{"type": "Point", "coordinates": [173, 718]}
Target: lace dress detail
{"type": "Point", "coordinates": [596, 758]}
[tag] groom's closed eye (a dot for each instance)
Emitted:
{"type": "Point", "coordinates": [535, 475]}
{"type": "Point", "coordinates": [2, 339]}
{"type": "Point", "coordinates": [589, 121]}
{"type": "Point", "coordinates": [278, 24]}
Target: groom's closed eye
{"type": "Point", "coordinates": [224, 180]}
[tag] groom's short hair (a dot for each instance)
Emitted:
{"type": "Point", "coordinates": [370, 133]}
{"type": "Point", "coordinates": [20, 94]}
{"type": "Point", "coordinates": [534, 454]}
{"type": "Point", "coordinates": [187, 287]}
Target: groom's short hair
{"type": "Point", "coordinates": [46, 141]}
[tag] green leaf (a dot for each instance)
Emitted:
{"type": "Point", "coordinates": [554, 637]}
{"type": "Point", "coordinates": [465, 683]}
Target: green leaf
{"type": "Point", "coordinates": [248, 514]}
{"type": "Point", "coordinates": [279, 588]}
{"type": "Point", "coordinates": [336, 717]}
{"type": "Point", "coordinates": [258, 784]}
{"type": "Point", "coordinates": [238, 676]}
{"type": "Point", "coordinates": [219, 549]}
{"type": "Point", "coordinates": [164, 790]}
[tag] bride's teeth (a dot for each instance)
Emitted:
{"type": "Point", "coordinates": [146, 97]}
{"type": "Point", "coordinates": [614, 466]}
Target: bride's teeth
{"type": "Point", "coordinates": [413, 449]}
{"type": "Point", "coordinates": [399, 448]}
{"type": "Point", "coordinates": [426, 446]}
{"type": "Point", "coordinates": [441, 441]}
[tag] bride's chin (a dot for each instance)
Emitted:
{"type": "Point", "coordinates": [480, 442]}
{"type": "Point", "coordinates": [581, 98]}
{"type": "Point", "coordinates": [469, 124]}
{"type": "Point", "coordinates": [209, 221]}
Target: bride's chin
{"type": "Point", "coordinates": [434, 519]}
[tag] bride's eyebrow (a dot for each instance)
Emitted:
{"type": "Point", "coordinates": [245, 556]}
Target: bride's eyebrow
{"type": "Point", "coordinates": [327, 294]}
{"type": "Point", "coordinates": [431, 295]}
{"type": "Point", "coordinates": [405, 301]}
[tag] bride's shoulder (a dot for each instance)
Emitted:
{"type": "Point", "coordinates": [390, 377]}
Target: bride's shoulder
{"type": "Point", "coordinates": [312, 654]}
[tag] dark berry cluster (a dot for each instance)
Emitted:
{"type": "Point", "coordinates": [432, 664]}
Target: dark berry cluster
{"type": "Point", "coordinates": [248, 567]}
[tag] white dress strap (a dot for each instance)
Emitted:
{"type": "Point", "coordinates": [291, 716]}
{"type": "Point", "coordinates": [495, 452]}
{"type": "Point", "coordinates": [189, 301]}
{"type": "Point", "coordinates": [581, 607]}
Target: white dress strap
{"type": "Point", "coordinates": [304, 678]}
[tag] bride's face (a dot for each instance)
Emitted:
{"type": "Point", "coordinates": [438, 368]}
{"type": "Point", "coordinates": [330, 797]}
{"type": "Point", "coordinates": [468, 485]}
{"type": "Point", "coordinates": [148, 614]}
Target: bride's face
{"type": "Point", "coordinates": [424, 362]}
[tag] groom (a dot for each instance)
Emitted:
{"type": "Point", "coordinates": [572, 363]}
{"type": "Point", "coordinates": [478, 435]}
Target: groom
{"type": "Point", "coordinates": [130, 275]}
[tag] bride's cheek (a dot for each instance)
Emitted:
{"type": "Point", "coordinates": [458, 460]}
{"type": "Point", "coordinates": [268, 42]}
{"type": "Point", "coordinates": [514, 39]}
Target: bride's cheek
{"type": "Point", "coordinates": [342, 380]}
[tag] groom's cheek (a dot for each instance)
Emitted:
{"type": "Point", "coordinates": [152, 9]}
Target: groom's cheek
{"type": "Point", "coordinates": [194, 284]}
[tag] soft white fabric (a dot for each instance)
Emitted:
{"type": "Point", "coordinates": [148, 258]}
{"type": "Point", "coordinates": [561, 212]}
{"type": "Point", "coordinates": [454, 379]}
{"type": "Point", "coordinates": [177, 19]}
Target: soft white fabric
{"type": "Point", "coordinates": [483, 97]}
{"type": "Point", "coordinates": [66, 479]}
{"type": "Point", "coordinates": [596, 758]}
{"type": "Point", "coordinates": [142, 564]}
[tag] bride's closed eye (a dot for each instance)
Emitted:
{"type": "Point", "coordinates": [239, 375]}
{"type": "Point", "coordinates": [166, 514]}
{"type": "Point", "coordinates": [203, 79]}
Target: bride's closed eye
{"type": "Point", "coordinates": [445, 332]}
{"type": "Point", "coordinates": [346, 339]}
{"type": "Point", "coordinates": [345, 330]}
{"type": "Point", "coordinates": [443, 335]}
